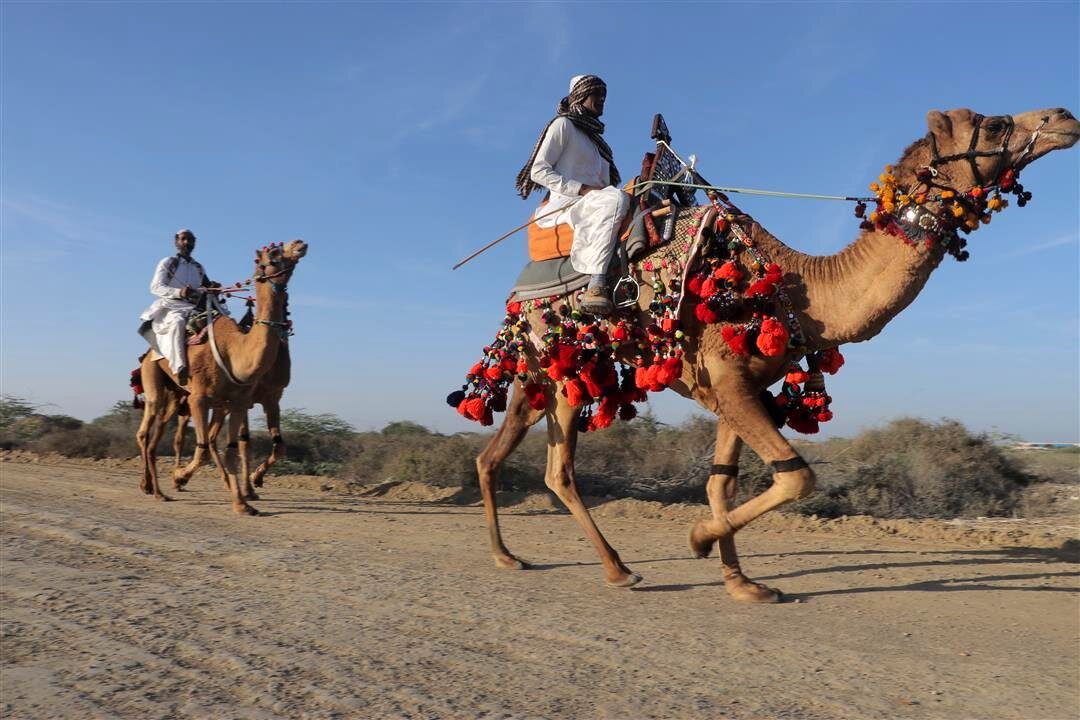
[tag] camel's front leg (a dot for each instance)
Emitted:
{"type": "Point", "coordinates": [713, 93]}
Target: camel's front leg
{"type": "Point", "coordinates": [721, 489]}
{"type": "Point", "coordinates": [237, 415]}
{"type": "Point", "coordinates": [745, 416]}
{"type": "Point", "coordinates": [273, 426]}
{"type": "Point", "coordinates": [562, 443]}
{"type": "Point", "coordinates": [519, 418]}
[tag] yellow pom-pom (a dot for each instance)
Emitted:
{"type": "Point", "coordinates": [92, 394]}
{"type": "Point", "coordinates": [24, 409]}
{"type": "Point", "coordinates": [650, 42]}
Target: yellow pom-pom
{"type": "Point", "coordinates": [903, 199]}
{"type": "Point", "coordinates": [874, 187]}
{"type": "Point", "coordinates": [947, 194]}
{"type": "Point", "coordinates": [875, 216]}
{"type": "Point", "coordinates": [957, 211]}
{"type": "Point", "coordinates": [994, 203]}
{"type": "Point", "coordinates": [920, 198]}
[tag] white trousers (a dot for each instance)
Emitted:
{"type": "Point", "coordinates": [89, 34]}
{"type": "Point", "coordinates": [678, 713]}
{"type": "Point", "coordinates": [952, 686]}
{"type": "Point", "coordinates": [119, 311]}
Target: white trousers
{"type": "Point", "coordinates": [170, 331]}
{"type": "Point", "coordinates": [595, 220]}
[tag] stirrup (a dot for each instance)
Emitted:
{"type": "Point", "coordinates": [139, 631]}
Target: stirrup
{"type": "Point", "coordinates": [626, 292]}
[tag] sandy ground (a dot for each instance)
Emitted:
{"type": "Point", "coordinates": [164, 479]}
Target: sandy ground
{"type": "Point", "coordinates": [386, 605]}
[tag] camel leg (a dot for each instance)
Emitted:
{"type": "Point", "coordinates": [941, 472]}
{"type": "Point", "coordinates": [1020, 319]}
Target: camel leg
{"type": "Point", "coordinates": [562, 443]}
{"type": "Point", "coordinates": [178, 446]}
{"type": "Point", "coordinates": [217, 418]}
{"type": "Point", "coordinates": [163, 410]}
{"type": "Point", "coordinates": [273, 424]}
{"type": "Point", "coordinates": [519, 418]}
{"type": "Point", "coordinates": [244, 448]}
{"type": "Point", "coordinates": [142, 438]}
{"type": "Point", "coordinates": [199, 407]}
{"type": "Point", "coordinates": [721, 488]}
{"type": "Point", "coordinates": [744, 414]}
{"type": "Point", "coordinates": [237, 412]}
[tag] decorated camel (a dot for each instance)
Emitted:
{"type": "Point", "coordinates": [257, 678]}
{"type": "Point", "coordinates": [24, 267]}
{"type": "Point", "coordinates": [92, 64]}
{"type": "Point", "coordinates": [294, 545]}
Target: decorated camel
{"type": "Point", "coordinates": [727, 310]}
{"type": "Point", "coordinates": [226, 387]}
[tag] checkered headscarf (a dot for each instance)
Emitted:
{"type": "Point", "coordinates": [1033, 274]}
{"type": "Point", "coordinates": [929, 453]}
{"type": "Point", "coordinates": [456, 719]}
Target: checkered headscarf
{"type": "Point", "coordinates": [571, 107]}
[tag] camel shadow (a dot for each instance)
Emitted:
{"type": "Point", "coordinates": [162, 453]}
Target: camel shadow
{"type": "Point", "coordinates": [1066, 554]}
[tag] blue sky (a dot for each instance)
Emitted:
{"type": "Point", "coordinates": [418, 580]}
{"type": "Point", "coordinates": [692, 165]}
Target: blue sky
{"type": "Point", "coordinates": [388, 136]}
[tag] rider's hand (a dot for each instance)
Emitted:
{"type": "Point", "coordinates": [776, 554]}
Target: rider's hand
{"type": "Point", "coordinates": [187, 293]}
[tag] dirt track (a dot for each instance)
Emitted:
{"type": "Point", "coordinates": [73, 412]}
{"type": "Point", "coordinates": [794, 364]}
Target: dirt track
{"type": "Point", "coordinates": [342, 606]}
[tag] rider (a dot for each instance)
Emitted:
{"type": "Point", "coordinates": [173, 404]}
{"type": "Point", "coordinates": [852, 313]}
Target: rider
{"type": "Point", "coordinates": [572, 160]}
{"type": "Point", "coordinates": [176, 283]}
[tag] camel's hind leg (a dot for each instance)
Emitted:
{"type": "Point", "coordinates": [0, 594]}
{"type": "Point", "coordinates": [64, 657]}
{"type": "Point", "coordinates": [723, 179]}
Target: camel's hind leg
{"type": "Point", "coordinates": [182, 420]}
{"type": "Point", "coordinates": [155, 418]}
{"type": "Point", "coordinates": [562, 442]}
{"type": "Point", "coordinates": [237, 419]}
{"type": "Point", "coordinates": [217, 418]}
{"type": "Point", "coordinates": [199, 408]}
{"type": "Point", "coordinates": [745, 416]}
{"type": "Point", "coordinates": [519, 418]}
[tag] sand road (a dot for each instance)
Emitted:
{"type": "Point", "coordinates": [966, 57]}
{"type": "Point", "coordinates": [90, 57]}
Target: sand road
{"type": "Point", "coordinates": [339, 606]}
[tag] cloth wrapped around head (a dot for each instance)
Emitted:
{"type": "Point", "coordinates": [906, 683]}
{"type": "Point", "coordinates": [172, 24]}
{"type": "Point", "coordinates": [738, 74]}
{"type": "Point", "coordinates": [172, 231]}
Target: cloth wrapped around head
{"type": "Point", "coordinates": [572, 107]}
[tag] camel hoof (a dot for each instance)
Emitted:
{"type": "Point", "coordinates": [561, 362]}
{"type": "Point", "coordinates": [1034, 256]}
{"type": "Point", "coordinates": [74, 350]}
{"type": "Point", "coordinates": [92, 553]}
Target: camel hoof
{"type": "Point", "coordinates": [178, 488]}
{"type": "Point", "coordinates": [625, 581]}
{"type": "Point", "coordinates": [701, 539]}
{"type": "Point", "coordinates": [752, 592]}
{"type": "Point", "coordinates": [251, 496]}
{"type": "Point", "coordinates": [509, 562]}
{"type": "Point", "coordinates": [146, 489]}
{"type": "Point", "coordinates": [162, 497]}
{"type": "Point", "coordinates": [257, 482]}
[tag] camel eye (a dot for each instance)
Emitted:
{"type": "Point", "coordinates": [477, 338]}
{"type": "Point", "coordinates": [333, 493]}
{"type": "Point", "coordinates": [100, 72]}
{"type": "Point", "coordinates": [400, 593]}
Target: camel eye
{"type": "Point", "coordinates": [995, 126]}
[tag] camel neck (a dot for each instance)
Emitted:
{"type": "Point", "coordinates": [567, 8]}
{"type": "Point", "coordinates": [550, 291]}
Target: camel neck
{"type": "Point", "coordinates": [258, 349]}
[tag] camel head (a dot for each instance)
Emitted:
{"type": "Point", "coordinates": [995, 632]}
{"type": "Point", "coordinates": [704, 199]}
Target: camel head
{"type": "Point", "coordinates": [969, 149]}
{"type": "Point", "coordinates": [277, 261]}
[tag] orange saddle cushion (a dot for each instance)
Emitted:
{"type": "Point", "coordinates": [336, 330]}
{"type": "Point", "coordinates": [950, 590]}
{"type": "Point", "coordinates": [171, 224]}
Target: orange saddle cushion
{"type": "Point", "coordinates": [548, 243]}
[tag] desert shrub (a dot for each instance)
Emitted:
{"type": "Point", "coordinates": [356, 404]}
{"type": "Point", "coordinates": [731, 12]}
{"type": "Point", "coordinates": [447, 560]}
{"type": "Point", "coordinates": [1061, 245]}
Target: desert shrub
{"type": "Point", "coordinates": [916, 468]}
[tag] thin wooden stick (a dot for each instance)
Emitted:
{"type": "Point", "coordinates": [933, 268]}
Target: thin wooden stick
{"type": "Point", "coordinates": [499, 239]}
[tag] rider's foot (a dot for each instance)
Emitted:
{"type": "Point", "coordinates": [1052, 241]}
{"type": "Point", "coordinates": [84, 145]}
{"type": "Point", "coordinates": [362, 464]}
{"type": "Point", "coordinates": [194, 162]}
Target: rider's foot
{"type": "Point", "coordinates": [597, 301]}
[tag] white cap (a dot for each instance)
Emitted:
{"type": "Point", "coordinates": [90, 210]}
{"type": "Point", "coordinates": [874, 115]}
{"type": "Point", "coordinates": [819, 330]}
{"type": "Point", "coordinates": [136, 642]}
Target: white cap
{"type": "Point", "coordinates": [574, 81]}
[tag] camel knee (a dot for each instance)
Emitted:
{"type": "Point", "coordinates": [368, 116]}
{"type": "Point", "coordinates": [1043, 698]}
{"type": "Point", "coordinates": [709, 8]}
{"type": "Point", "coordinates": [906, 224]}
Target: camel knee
{"type": "Point", "coordinates": [721, 488]}
{"type": "Point", "coordinates": [795, 484]}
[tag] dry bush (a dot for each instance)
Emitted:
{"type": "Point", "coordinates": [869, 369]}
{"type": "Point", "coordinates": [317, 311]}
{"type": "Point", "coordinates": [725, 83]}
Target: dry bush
{"type": "Point", "coordinates": [916, 468]}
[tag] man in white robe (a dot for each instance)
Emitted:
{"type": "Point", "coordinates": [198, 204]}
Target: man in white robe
{"type": "Point", "coordinates": [573, 162]}
{"type": "Point", "coordinates": [176, 284]}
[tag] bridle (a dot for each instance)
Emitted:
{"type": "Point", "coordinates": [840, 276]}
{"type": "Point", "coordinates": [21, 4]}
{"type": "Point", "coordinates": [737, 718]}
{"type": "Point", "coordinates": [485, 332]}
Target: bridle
{"type": "Point", "coordinates": [972, 155]}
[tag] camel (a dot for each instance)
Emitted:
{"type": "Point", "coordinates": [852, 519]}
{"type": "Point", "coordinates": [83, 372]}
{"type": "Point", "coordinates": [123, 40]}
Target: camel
{"type": "Point", "coordinates": [843, 298]}
{"type": "Point", "coordinates": [249, 356]}
{"type": "Point", "coordinates": [268, 391]}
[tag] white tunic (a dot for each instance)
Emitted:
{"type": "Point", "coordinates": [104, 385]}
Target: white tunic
{"type": "Point", "coordinates": [566, 160]}
{"type": "Point", "coordinates": [168, 314]}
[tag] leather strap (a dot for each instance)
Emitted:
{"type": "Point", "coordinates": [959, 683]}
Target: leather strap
{"type": "Point", "coordinates": [277, 440]}
{"type": "Point", "coordinates": [719, 469]}
{"type": "Point", "coordinates": [233, 445]}
{"type": "Point", "coordinates": [789, 465]}
{"type": "Point", "coordinates": [203, 446]}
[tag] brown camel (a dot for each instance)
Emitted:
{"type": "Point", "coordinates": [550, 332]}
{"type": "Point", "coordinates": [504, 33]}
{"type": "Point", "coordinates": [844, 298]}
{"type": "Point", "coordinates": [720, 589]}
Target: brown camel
{"type": "Point", "coordinates": [248, 356]}
{"type": "Point", "coordinates": [268, 391]}
{"type": "Point", "coordinates": [842, 298]}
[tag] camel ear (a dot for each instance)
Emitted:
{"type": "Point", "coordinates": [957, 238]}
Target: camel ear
{"type": "Point", "coordinates": [939, 123]}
